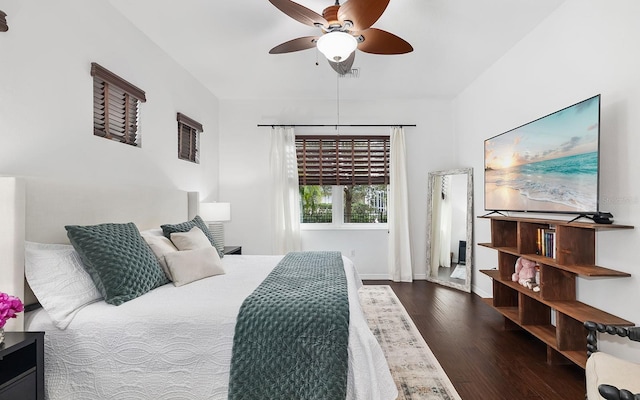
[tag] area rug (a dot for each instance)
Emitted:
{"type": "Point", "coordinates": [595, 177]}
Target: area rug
{"type": "Point", "coordinates": [416, 371]}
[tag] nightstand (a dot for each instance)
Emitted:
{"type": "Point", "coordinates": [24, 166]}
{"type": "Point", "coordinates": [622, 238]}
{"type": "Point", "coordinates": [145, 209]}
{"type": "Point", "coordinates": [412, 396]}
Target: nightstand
{"type": "Point", "coordinates": [232, 250]}
{"type": "Point", "coordinates": [22, 366]}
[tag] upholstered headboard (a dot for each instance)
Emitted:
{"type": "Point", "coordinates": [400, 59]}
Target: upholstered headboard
{"type": "Point", "coordinates": [37, 209]}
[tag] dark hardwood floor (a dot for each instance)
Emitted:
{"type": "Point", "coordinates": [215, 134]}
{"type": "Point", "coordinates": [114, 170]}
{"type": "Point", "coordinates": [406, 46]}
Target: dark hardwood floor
{"type": "Point", "coordinates": [482, 359]}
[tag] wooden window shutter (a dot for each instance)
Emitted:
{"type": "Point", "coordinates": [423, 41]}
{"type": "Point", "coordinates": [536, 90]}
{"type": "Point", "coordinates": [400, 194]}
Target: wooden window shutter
{"type": "Point", "coordinates": [3, 22]}
{"type": "Point", "coordinates": [343, 160]}
{"type": "Point", "coordinates": [115, 106]}
{"type": "Point", "coordinates": [188, 138]}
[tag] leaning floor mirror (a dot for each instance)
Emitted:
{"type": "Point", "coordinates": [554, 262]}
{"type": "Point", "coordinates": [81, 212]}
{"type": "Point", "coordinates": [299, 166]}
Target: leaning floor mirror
{"type": "Point", "coordinates": [450, 228]}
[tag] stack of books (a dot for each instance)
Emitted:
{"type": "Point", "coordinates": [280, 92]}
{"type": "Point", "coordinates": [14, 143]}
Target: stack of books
{"type": "Point", "coordinates": [546, 242]}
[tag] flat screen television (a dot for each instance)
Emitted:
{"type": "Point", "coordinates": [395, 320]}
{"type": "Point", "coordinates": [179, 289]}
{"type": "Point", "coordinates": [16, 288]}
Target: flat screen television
{"type": "Point", "coordinates": [547, 165]}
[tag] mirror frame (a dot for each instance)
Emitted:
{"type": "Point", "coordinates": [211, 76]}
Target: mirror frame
{"type": "Point", "coordinates": [469, 253]}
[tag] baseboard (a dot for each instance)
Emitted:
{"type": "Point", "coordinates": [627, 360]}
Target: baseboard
{"type": "Point", "coordinates": [420, 277]}
{"type": "Point", "coordinates": [480, 292]}
{"type": "Point", "coordinates": [375, 277]}
{"type": "Point", "coordinates": [385, 277]}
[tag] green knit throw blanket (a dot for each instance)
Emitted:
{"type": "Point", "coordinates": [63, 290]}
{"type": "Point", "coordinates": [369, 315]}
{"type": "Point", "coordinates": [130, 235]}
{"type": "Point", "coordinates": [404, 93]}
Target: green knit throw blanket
{"type": "Point", "coordinates": [292, 332]}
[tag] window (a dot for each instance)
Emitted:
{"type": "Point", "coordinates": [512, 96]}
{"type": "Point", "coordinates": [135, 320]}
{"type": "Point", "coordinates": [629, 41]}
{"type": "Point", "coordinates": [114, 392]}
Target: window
{"type": "Point", "coordinates": [115, 107]}
{"type": "Point", "coordinates": [316, 204]}
{"type": "Point", "coordinates": [343, 179]}
{"type": "Point", "coordinates": [188, 138]}
{"type": "Point", "coordinates": [365, 204]}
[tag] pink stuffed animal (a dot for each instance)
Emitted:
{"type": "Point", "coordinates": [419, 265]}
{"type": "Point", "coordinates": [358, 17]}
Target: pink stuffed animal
{"type": "Point", "coordinates": [525, 272]}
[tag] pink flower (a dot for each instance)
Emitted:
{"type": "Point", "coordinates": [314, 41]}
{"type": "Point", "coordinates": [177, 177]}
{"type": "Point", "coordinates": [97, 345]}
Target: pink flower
{"type": "Point", "coordinates": [10, 306]}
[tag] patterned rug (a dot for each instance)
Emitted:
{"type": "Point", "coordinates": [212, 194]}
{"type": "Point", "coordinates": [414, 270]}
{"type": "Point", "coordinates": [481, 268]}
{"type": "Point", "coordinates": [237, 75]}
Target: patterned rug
{"type": "Point", "coordinates": [414, 368]}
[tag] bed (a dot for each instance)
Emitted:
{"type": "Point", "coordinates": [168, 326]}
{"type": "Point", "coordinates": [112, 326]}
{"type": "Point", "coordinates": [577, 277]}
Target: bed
{"type": "Point", "coordinates": [170, 343]}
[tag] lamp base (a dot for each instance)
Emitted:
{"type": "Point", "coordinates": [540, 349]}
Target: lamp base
{"type": "Point", "coordinates": [217, 230]}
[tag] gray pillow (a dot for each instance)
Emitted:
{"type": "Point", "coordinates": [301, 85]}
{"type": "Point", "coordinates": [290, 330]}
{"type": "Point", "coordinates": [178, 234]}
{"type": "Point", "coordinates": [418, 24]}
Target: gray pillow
{"type": "Point", "coordinates": [120, 263]}
{"type": "Point", "coordinates": [168, 229]}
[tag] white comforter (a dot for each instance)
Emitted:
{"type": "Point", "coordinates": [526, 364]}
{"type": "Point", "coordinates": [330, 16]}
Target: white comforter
{"type": "Point", "coordinates": [175, 342]}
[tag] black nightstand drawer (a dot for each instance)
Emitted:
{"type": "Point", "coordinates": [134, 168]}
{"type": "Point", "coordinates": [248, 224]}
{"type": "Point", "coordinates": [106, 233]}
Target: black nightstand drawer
{"type": "Point", "coordinates": [22, 366]}
{"type": "Point", "coordinates": [21, 388]}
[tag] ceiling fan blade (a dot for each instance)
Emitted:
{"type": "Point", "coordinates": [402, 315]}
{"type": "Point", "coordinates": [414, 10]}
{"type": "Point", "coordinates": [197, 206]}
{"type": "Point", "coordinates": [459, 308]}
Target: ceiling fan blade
{"type": "Point", "coordinates": [363, 13]}
{"type": "Point", "coordinates": [301, 43]}
{"type": "Point", "coordinates": [300, 13]}
{"type": "Point", "coordinates": [377, 41]}
{"type": "Point", "coordinates": [343, 67]}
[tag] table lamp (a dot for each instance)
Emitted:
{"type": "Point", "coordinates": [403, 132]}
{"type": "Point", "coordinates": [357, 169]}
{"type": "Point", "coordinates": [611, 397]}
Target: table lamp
{"type": "Point", "coordinates": [215, 214]}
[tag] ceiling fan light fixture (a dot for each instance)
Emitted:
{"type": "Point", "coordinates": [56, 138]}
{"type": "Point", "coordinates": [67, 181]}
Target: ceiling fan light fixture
{"type": "Point", "coordinates": [337, 46]}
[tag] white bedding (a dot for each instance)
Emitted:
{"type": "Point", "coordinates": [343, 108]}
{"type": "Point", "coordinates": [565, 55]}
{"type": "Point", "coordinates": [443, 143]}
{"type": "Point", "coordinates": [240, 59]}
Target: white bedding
{"type": "Point", "coordinates": [176, 342]}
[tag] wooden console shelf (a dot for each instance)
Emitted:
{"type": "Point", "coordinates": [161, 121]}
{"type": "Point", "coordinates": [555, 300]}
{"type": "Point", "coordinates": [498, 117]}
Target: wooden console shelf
{"type": "Point", "coordinates": [515, 237]}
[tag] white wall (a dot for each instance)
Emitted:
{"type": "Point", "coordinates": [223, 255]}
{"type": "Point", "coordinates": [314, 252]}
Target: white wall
{"type": "Point", "coordinates": [46, 91]}
{"type": "Point", "coordinates": [583, 49]}
{"type": "Point", "coordinates": [244, 169]}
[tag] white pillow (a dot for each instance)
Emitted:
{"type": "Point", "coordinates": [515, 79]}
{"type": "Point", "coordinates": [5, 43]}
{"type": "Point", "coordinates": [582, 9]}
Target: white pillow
{"type": "Point", "coordinates": [191, 265]}
{"type": "Point", "coordinates": [57, 277]}
{"type": "Point", "coordinates": [194, 239]}
{"type": "Point", "coordinates": [160, 246]}
{"type": "Point", "coordinates": [152, 232]}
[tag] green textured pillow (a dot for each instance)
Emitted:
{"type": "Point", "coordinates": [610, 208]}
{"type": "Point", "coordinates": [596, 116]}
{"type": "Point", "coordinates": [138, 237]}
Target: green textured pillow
{"type": "Point", "coordinates": [120, 263]}
{"type": "Point", "coordinates": [168, 229]}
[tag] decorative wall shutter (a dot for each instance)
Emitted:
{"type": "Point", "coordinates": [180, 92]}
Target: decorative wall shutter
{"type": "Point", "coordinates": [343, 160]}
{"type": "Point", "coordinates": [188, 138]}
{"type": "Point", "coordinates": [115, 106]}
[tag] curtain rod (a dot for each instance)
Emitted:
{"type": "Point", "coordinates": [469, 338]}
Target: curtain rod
{"type": "Point", "coordinates": [334, 125]}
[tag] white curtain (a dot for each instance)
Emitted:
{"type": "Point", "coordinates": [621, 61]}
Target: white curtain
{"type": "Point", "coordinates": [441, 229]}
{"type": "Point", "coordinates": [285, 196]}
{"type": "Point", "coordinates": [400, 265]}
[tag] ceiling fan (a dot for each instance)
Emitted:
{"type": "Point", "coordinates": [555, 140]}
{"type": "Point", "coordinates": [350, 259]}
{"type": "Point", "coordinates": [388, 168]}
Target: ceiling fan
{"type": "Point", "coordinates": [345, 28]}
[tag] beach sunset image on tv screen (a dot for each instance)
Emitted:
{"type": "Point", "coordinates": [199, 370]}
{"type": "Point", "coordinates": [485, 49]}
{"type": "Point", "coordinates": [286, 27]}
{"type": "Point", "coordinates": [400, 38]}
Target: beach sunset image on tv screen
{"type": "Point", "coordinates": [548, 165]}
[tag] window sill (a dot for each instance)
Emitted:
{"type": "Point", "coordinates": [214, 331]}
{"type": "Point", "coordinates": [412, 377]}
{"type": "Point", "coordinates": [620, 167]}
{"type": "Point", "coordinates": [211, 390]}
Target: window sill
{"type": "Point", "coordinates": [344, 227]}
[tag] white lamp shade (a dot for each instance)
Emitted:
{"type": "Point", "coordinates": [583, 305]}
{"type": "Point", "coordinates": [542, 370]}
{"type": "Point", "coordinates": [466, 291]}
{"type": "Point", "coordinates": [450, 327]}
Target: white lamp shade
{"type": "Point", "coordinates": [337, 46]}
{"type": "Point", "coordinates": [218, 212]}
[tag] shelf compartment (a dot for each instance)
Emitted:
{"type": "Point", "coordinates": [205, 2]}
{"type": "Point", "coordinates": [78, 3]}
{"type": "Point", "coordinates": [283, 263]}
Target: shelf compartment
{"type": "Point", "coordinates": [582, 270]}
{"type": "Point", "coordinates": [504, 296]}
{"type": "Point", "coordinates": [577, 356]}
{"type": "Point", "coordinates": [557, 284]}
{"type": "Point", "coordinates": [547, 334]}
{"type": "Point", "coordinates": [584, 225]}
{"type": "Point", "coordinates": [504, 233]}
{"type": "Point", "coordinates": [533, 312]}
{"type": "Point", "coordinates": [584, 312]}
{"type": "Point", "coordinates": [528, 237]}
{"type": "Point", "coordinates": [506, 265]}
{"type": "Point", "coordinates": [570, 333]}
{"type": "Point", "coordinates": [573, 308]}
{"type": "Point", "coordinates": [575, 246]}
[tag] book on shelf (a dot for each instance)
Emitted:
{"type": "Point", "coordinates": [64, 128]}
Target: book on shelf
{"type": "Point", "coordinates": [546, 242]}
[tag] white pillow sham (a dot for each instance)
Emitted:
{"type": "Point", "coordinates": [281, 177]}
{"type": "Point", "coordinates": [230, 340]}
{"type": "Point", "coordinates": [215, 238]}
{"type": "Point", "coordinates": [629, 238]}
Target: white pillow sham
{"type": "Point", "coordinates": [160, 246]}
{"type": "Point", "coordinates": [191, 265]}
{"type": "Point", "coordinates": [57, 277]}
{"type": "Point", "coordinates": [194, 239]}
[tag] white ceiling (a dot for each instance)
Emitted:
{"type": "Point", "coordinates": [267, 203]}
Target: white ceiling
{"type": "Point", "coordinates": [225, 45]}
